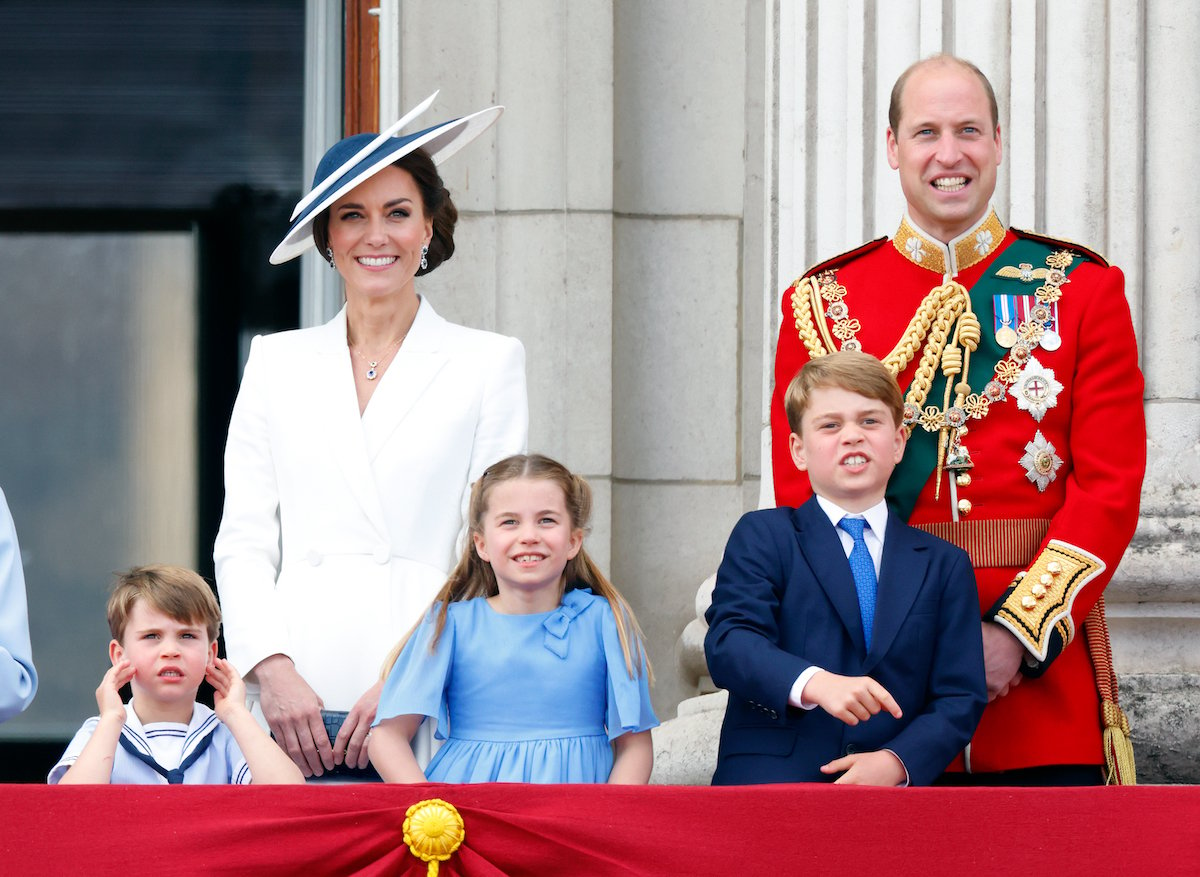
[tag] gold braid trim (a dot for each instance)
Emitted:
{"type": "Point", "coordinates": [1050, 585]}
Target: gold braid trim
{"type": "Point", "coordinates": [927, 331]}
{"type": "Point", "coordinates": [1041, 599]}
{"type": "Point", "coordinates": [944, 315]}
{"type": "Point", "coordinates": [805, 301]}
{"type": "Point", "coordinates": [933, 323]}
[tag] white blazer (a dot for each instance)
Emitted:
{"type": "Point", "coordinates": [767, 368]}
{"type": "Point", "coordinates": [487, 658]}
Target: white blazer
{"type": "Point", "coordinates": [339, 529]}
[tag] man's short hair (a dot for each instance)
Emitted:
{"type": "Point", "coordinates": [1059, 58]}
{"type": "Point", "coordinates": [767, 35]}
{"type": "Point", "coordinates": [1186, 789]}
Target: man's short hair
{"type": "Point", "coordinates": [174, 591]}
{"type": "Point", "coordinates": [848, 370]}
{"type": "Point", "coordinates": [898, 88]}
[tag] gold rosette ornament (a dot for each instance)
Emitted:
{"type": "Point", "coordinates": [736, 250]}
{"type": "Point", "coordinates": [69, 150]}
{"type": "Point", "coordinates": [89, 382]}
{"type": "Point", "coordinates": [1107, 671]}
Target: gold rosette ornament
{"type": "Point", "coordinates": [433, 830]}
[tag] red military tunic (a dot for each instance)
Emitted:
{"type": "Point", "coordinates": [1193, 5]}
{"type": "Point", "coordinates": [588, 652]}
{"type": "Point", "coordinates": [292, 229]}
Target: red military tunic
{"type": "Point", "coordinates": [1056, 496]}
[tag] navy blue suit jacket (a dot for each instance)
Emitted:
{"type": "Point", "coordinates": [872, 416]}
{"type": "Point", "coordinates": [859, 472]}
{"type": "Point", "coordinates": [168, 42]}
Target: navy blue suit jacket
{"type": "Point", "coordinates": [785, 600]}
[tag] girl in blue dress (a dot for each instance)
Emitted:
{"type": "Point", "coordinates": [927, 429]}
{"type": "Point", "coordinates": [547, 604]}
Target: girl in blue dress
{"type": "Point", "coordinates": [530, 661]}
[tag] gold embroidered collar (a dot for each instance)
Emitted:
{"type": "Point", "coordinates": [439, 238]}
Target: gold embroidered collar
{"type": "Point", "coordinates": [969, 248]}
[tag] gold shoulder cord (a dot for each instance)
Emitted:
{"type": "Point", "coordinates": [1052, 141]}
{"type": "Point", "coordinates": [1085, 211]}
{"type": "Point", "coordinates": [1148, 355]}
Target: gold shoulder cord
{"type": "Point", "coordinates": [804, 303]}
{"type": "Point", "coordinates": [944, 315]}
{"type": "Point", "coordinates": [946, 331]}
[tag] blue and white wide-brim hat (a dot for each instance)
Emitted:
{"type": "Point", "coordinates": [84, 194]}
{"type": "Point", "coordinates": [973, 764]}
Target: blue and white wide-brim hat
{"type": "Point", "coordinates": [354, 159]}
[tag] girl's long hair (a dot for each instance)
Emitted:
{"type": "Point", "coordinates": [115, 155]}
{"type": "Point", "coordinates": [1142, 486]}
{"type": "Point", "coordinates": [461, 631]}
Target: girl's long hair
{"type": "Point", "coordinates": [473, 577]}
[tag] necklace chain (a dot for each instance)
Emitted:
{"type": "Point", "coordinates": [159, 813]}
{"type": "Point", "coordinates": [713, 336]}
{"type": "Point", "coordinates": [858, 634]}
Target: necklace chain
{"type": "Point", "coordinates": [373, 363]}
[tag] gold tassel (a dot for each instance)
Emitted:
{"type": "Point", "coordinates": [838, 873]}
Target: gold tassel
{"type": "Point", "coordinates": [1118, 749]}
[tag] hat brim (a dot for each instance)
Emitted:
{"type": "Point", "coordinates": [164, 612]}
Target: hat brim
{"type": "Point", "coordinates": [440, 141]}
{"type": "Point", "coordinates": [321, 188]}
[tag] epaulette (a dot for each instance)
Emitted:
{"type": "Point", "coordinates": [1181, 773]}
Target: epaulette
{"type": "Point", "coordinates": [1063, 243]}
{"type": "Point", "coordinates": [848, 256]}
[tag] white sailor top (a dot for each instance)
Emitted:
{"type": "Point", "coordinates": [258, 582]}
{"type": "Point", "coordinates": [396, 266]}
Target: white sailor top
{"type": "Point", "coordinates": [161, 753]}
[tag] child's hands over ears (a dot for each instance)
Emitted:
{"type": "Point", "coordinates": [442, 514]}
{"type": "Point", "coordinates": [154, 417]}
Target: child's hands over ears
{"type": "Point", "coordinates": [229, 691]}
{"type": "Point", "coordinates": [852, 699]}
{"type": "Point", "coordinates": [880, 768]}
{"type": "Point", "coordinates": [108, 695]}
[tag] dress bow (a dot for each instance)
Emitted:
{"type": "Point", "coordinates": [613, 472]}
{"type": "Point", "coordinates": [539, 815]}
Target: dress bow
{"type": "Point", "coordinates": [558, 623]}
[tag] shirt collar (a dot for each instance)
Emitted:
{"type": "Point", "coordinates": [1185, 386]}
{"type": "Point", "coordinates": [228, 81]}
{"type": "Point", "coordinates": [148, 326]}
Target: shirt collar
{"type": "Point", "coordinates": [203, 722]}
{"type": "Point", "coordinates": [969, 248]}
{"type": "Point", "coordinates": [876, 516]}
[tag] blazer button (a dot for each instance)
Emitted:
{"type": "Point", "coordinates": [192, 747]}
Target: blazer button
{"type": "Point", "coordinates": [382, 554]}
{"type": "Point", "coordinates": [850, 749]}
{"type": "Point", "coordinates": [313, 557]}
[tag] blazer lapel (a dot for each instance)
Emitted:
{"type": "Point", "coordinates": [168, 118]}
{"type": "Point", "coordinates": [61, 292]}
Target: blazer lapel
{"type": "Point", "coordinates": [901, 576]}
{"type": "Point", "coordinates": [420, 358]}
{"type": "Point", "coordinates": [822, 548]}
{"type": "Point", "coordinates": [333, 393]}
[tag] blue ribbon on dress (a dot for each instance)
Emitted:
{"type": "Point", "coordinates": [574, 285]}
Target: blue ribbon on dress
{"type": "Point", "coordinates": [558, 623]}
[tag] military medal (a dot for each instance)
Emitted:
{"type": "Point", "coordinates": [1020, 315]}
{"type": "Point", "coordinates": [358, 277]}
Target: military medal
{"type": "Point", "coordinates": [1035, 389]}
{"type": "Point", "coordinates": [1006, 335]}
{"type": "Point", "coordinates": [1045, 314]}
{"type": "Point", "coordinates": [1040, 462]}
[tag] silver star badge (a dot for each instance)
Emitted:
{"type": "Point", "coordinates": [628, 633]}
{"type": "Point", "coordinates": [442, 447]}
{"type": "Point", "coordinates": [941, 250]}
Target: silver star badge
{"type": "Point", "coordinates": [1035, 389]}
{"type": "Point", "coordinates": [1040, 462]}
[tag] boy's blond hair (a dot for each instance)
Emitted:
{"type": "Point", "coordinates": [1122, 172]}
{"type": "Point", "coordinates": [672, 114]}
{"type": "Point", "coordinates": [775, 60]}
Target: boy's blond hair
{"type": "Point", "coordinates": [174, 591]}
{"type": "Point", "coordinates": [848, 370]}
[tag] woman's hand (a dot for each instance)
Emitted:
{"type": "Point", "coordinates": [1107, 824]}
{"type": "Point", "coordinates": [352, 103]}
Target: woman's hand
{"type": "Point", "coordinates": [351, 744]}
{"type": "Point", "coordinates": [293, 711]}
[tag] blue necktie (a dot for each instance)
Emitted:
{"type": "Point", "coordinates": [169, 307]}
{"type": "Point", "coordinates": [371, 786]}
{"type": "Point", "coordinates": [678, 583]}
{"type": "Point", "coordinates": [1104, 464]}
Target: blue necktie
{"type": "Point", "coordinates": [863, 570]}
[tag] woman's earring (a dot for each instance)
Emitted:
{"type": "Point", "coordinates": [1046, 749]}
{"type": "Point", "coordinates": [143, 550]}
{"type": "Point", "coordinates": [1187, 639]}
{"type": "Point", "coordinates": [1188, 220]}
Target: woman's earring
{"type": "Point", "coordinates": [424, 253]}
{"type": "Point", "coordinates": [329, 256]}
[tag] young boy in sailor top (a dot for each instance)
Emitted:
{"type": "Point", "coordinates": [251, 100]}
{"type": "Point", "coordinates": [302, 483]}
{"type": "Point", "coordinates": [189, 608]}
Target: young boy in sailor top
{"type": "Point", "coordinates": [164, 622]}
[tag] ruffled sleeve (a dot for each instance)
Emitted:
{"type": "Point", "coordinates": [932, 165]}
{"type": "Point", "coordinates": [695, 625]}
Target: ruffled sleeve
{"type": "Point", "coordinates": [417, 684]}
{"type": "Point", "coordinates": [628, 707]}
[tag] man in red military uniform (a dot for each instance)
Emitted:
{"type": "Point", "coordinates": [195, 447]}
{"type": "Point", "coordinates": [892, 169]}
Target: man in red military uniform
{"type": "Point", "coordinates": [1028, 445]}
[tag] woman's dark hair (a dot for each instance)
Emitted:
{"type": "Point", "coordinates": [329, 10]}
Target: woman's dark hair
{"type": "Point", "coordinates": [435, 201]}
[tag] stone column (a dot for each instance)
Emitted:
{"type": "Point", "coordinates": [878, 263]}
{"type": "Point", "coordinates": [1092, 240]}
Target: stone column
{"type": "Point", "coordinates": [679, 172]}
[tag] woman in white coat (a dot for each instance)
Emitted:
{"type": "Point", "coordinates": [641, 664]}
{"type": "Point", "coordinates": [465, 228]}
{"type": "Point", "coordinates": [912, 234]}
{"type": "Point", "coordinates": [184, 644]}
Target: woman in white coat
{"type": "Point", "coordinates": [353, 445]}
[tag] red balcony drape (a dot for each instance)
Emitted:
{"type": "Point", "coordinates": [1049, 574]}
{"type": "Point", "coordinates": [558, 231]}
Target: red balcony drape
{"type": "Point", "coordinates": [601, 830]}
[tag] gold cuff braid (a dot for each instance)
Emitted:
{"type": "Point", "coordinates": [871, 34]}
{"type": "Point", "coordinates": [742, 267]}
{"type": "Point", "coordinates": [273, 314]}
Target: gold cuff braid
{"type": "Point", "coordinates": [1041, 599]}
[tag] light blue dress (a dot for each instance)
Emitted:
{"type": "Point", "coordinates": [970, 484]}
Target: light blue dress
{"type": "Point", "coordinates": [521, 698]}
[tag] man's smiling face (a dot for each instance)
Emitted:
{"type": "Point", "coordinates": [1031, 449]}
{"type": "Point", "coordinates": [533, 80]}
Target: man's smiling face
{"type": "Point", "coordinates": [946, 149]}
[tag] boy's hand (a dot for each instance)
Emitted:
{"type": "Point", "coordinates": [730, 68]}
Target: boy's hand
{"type": "Point", "coordinates": [108, 695]}
{"type": "Point", "coordinates": [229, 691]}
{"type": "Point", "coordinates": [852, 699]}
{"type": "Point", "coordinates": [881, 768]}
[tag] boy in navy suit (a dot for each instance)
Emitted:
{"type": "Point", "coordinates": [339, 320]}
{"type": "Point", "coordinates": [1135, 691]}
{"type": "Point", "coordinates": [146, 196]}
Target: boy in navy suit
{"type": "Point", "coordinates": [849, 641]}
